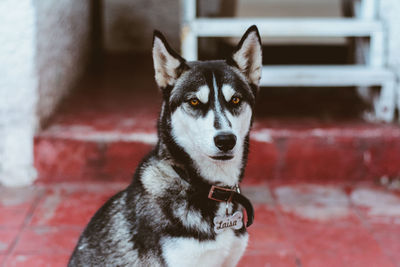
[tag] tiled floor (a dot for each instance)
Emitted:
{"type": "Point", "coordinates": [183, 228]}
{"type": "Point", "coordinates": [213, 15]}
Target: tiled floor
{"type": "Point", "coordinates": [87, 152]}
{"type": "Point", "coordinates": [295, 224]}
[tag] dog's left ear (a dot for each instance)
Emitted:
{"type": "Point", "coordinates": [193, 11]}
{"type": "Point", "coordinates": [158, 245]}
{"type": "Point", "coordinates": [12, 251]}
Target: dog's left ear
{"type": "Point", "coordinates": [168, 65]}
{"type": "Point", "coordinates": [247, 56]}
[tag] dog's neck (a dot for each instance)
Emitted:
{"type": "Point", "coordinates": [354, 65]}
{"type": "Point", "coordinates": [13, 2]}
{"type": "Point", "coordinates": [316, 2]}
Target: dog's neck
{"type": "Point", "coordinates": [224, 173]}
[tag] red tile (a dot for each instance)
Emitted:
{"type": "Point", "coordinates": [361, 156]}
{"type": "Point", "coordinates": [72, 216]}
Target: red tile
{"type": "Point", "coordinates": [58, 159]}
{"type": "Point", "coordinates": [262, 162]}
{"type": "Point", "coordinates": [45, 239]}
{"type": "Point", "coordinates": [322, 158]}
{"type": "Point", "coordinates": [335, 243]}
{"type": "Point", "coordinates": [19, 198]}
{"type": "Point", "coordinates": [314, 202]}
{"type": "Point", "coordinates": [7, 237]}
{"type": "Point", "coordinates": [377, 205]}
{"type": "Point", "coordinates": [15, 204]}
{"type": "Point", "coordinates": [266, 234]}
{"type": "Point", "coordinates": [2, 258]}
{"type": "Point", "coordinates": [12, 217]}
{"type": "Point", "coordinates": [61, 160]}
{"type": "Point", "coordinates": [37, 260]}
{"type": "Point", "coordinates": [271, 239]}
{"type": "Point", "coordinates": [73, 206]}
{"type": "Point", "coordinates": [259, 195]}
{"type": "Point", "coordinates": [382, 156]}
{"type": "Point", "coordinates": [388, 236]}
{"type": "Point", "coordinates": [122, 158]}
{"type": "Point", "coordinates": [325, 259]}
{"type": "Point", "coordinates": [268, 260]}
{"type": "Point", "coordinates": [264, 216]}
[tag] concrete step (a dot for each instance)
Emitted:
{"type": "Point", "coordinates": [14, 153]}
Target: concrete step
{"type": "Point", "coordinates": [109, 150]}
{"type": "Point", "coordinates": [105, 127]}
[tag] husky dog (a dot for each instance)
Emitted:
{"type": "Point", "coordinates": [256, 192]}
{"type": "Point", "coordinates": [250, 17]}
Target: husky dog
{"type": "Point", "coordinates": [183, 207]}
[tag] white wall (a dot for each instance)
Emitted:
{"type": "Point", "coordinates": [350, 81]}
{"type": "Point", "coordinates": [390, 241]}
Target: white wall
{"type": "Point", "coordinates": [18, 84]}
{"type": "Point", "coordinates": [43, 44]}
{"type": "Point", "coordinates": [129, 25]}
{"type": "Point", "coordinates": [62, 34]}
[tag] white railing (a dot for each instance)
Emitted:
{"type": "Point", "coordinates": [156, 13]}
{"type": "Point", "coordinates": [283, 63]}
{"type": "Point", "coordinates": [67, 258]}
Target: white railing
{"type": "Point", "coordinates": [364, 25]}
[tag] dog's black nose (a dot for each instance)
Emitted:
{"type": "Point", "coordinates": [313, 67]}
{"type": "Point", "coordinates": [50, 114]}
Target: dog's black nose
{"type": "Point", "coordinates": [225, 141]}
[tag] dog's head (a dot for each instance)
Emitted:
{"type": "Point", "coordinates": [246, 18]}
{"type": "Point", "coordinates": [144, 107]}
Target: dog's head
{"type": "Point", "coordinates": [208, 105]}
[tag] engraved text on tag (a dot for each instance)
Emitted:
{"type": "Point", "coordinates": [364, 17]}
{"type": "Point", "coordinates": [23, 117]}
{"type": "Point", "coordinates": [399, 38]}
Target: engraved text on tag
{"type": "Point", "coordinates": [234, 221]}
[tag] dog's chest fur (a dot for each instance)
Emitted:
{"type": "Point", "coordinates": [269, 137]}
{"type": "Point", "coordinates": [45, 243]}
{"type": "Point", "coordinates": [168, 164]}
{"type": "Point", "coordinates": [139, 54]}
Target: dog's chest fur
{"type": "Point", "coordinates": [204, 246]}
{"type": "Point", "coordinates": [156, 222]}
{"type": "Point", "coordinates": [165, 217]}
{"type": "Point", "coordinates": [225, 250]}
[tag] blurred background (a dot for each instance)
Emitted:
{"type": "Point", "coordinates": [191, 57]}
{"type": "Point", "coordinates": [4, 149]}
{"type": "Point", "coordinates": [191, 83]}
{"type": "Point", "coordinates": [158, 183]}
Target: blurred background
{"type": "Point", "coordinates": [78, 110]}
{"type": "Point", "coordinates": [325, 60]}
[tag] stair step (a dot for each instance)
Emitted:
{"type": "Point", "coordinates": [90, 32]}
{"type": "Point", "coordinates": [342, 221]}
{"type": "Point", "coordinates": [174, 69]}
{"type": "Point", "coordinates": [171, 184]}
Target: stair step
{"type": "Point", "coordinates": [308, 151]}
{"type": "Point", "coordinates": [286, 27]}
{"type": "Point", "coordinates": [105, 127]}
{"type": "Point", "coordinates": [339, 75]}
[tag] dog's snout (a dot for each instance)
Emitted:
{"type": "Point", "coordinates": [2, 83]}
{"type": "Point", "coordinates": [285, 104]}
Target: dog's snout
{"type": "Point", "coordinates": [225, 141]}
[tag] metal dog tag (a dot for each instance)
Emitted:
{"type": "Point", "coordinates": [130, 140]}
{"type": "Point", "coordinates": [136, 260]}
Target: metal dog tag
{"type": "Point", "coordinates": [234, 221]}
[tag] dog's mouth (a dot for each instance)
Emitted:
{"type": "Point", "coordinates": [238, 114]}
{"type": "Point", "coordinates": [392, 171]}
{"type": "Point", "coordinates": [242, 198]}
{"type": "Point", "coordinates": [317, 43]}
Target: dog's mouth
{"type": "Point", "coordinates": [222, 157]}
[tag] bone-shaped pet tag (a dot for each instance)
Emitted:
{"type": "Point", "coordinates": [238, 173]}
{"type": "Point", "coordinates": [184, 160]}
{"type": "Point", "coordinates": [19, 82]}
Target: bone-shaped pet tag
{"type": "Point", "coordinates": [234, 221]}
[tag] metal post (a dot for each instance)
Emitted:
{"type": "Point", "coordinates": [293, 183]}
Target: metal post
{"type": "Point", "coordinates": [376, 52]}
{"type": "Point", "coordinates": [368, 9]}
{"type": "Point", "coordinates": [188, 35]}
{"type": "Point", "coordinates": [385, 104]}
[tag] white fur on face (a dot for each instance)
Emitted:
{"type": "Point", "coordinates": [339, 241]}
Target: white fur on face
{"type": "Point", "coordinates": [241, 123]}
{"type": "Point", "coordinates": [228, 92]}
{"type": "Point", "coordinates": [196, 137]}
{"type": "Point", "coordinates": [203, 93]}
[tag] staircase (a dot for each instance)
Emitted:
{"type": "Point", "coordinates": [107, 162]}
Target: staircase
{"type": "Point", "coordinates": [310, 178]}
{"type": "Point", "coordinates": [365, 25]}
{"type": "Point", "coordinates": [102, 131]}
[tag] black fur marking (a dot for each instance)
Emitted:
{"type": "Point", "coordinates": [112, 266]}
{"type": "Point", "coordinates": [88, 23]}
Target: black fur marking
{"type": "Point", "coordinates": [145, 240]}
{"type": "Point", "coordinates": [136, 219]}
{"type": "Point", "coordinates": [203, 75]}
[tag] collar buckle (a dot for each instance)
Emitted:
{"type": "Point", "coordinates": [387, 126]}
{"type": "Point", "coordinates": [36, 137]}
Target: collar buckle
{"type": "Point", "coordinates": [220, 194]}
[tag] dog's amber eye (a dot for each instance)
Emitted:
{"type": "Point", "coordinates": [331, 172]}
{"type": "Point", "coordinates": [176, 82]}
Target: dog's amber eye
{"type": "Point", "coordinates": [194, 102]}
{"type": "Point", "coordinates": [235, 100]}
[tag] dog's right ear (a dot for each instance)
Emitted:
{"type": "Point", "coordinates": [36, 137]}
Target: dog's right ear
{"type": "Point", "coordinates": [168, 65]}
{"type": "Point", "coordinates": [248, 56]}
